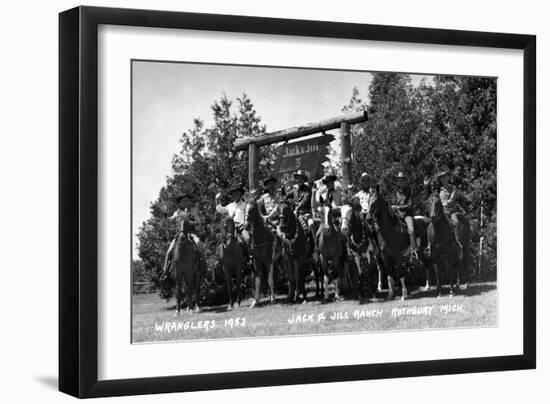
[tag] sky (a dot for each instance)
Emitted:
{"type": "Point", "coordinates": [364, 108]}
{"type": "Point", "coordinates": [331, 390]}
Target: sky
{"type": "Point", "coordinates": [167, 96]}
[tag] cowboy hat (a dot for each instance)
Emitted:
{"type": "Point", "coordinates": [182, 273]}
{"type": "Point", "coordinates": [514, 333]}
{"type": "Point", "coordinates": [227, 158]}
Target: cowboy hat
{"type": "Point", "coordinates": [401, 175]}
{"type": "Point", "coordinates": [237, 188]}
{"type": "Point", "coordinates": [183, 195]}
{"type": "Point", "coordinates": [329, 178]}
{"type": "Point", "coordinates": [444, 171]}
{"type": "Point", "coordinates": [270, 179]}
{"type": "Point", "coordinates": [300, 174]}
{"type": "Point", "coordinates": [364, 178]}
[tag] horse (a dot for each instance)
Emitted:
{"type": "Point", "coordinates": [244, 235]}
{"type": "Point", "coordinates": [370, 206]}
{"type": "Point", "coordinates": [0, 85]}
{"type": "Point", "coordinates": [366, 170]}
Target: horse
{"type": "Point", "coordinates": [186, 262]}
{"type": "Point", "coordinates": [265, 249]}
{"type": "Point", "coordinates": [443, 248]}
{"type": "Point", "coordinates": [232, 257]}
{"type": "Point", "coordinates": [394, 241]}
{"type": "Point", "coordinates": [311, 259]}
{"type": "Point", "coordinates": [360, 238]}
{"type": "Point", "coordinates": [330, 247]}
{"type": "Point", "coordinates": [294, 251]}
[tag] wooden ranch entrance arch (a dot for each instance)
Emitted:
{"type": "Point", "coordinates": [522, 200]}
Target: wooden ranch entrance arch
{"type": "Point", "coordinates": [343, 122]}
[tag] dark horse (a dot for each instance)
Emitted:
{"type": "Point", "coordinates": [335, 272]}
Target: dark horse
{"type": "Point", "coordinates": [265, 250]}
{"type": "Point", "coordinates": [394, 242]}
{"type": "Point", "coordinates": [186, 267]}
{"type": "Point", "coordinates": [444, 250]}
{"type": "Point", "coordinates": [232, 257]}
{"type": "Point", "coordinates": [294, 251]}
{"type": "Point", "coordinates": [330, 247]}
{"type": "Point", "coordinates": [362, 247]}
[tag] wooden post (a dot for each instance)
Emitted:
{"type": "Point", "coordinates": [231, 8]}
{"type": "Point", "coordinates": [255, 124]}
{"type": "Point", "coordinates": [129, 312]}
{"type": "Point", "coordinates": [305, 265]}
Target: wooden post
{"type": "Point", "coordinates": [345, 144]}
{"type": "Point", "coordinates": [253, 162]}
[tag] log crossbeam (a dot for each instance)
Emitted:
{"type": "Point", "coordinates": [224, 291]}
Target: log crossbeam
{"type": "Point", "coordinates": [299, 131]}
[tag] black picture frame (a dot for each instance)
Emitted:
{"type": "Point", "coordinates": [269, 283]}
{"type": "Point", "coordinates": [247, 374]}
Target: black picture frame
{"type": "Point", "coordinates": [78, 200]}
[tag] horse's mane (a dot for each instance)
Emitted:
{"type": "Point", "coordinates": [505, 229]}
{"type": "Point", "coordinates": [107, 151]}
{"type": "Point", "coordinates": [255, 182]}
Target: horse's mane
{"type": "Point", "coordinates": [287, 214]}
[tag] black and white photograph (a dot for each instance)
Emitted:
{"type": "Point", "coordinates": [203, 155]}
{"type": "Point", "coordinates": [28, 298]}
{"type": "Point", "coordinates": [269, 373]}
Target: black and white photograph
{"type": "Point", "coordinates": [281, 201]}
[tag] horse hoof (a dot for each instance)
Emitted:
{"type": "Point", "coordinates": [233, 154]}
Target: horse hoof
{"type": "Point", "coordinates": [197, 309]}
{"type": "Point", "coordinates": [177, 314]}
{"type": "Point", "coordinates": [253, 303]}
{"type": "Point", "coordinates": [272, 300]}
{"type": "Point", "coordinates": [229, 307]}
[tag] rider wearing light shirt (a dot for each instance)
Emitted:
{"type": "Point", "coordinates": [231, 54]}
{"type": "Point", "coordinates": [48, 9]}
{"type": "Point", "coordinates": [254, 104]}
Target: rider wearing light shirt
{"type": "Point", "coordinates": [364, 194]}
{"type": "Point", "coordinates": [270, 200]}
{"type": "Point", "coordinates": [328, 189]}
{"type": "Point", "coordinates": [235, 210]}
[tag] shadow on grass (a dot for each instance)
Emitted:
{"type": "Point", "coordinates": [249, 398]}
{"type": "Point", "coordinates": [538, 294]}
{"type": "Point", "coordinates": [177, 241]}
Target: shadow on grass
{"type": "Point", "coordinates": [472, 290]}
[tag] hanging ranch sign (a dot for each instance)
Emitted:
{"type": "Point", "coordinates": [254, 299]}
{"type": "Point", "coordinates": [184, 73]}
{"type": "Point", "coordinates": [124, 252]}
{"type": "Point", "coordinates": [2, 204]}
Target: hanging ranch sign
{"type": "Point", "coordinates": [307, 155]}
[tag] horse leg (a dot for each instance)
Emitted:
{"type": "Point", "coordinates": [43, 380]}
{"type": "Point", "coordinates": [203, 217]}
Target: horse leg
{"type": "Point", "coordinates": [401, 271]}
{"type": "Point", "coordinates": [257, 284]}
{"type": "Point", "coordinates": [290, 277]}
{"type": "Point", "coordinates": [238, 280]}
{"type": "Point", "coordinates": [297, 281]}
{"type": "Point", "coordinates": [178, 296]}
{"type": "Point", "coordinates": [339, 274]}
{"type": "Point", "coordinates": [391, 286]}
{"type": "Point", "coordinates": [427, 285]}
{"type": "Point", "coordinates": [188, 292]}
{"type": "Point", "coordinates": [197, 284]}
{"type": "Point", "coordinates": [404, 291]}
{"type": "Point", "coordinates": [324, 275]}
{"type": "Point", "coordinates": [388, 265]}
{"type": "Point", "coordinates": [358, 284]}
{"type": "Point", "coordinates": [437, 280]}
{"type": "Point", "coordinates": [271, 282]}
{"type": "Point", "coordinates": [301, 278]}
{"type": "Point", "coordinates": [229, 287]}
{"type": "Point", "coordinates": [380, 274]}
{"type": "Point", "coordinates": [317, 278]}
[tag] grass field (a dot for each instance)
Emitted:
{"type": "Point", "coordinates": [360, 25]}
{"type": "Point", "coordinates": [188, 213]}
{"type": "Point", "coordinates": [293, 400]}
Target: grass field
{"type": "Point", "coordinates": [153, 318]}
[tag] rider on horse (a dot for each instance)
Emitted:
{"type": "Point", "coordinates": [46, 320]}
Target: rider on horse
{"type": "Point", "coordinates": [403, 205]}
{"type": "Point", "coordinates": [235, 210]}
{"type": "Point", "coordinates": [269, 201]}
{"type": "Point", "coordinates": [328, 189]}
{"type": "Point", "coordinates": [364, 195]}
{"type": "Point", "coordinates": [188, 222]}
{"type": "Point", "coordinates": [450, 199]}
{"type": "Point", "coordinates": [325, 192]}
{"type": "Point", "coordinates": [302, 200]}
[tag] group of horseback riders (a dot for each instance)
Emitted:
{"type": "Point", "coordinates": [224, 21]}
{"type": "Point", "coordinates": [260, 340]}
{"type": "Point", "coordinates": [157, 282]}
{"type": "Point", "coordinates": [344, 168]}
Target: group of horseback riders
{"type": "Point", "coordinates": [306, 201]}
